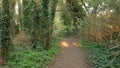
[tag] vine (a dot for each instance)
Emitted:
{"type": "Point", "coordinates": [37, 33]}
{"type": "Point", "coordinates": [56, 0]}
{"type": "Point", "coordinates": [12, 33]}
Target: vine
{"type": "Point", "coordinates": [5, 31]}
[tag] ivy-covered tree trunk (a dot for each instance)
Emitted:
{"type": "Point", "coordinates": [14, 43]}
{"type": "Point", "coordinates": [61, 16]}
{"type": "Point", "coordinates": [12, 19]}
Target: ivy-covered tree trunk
{"type": "Point", "coordinates": [35, 24]}
{"type": "Point", "coordinates": [43, 16]}
{"type": "Point", "coordinates": [20, 13]}
{"type": "Point", "coordinates": [18, 16]}
{"type": "Point", "coordinates": [12, 13]}
{"type": "Point", "coordinates": [5, 32]}
{"type": "Point", "coordinates": [44, 24]}
{"type": "Point", "coordinates": [53, 5]}
{"type": "Point", "coordinates": [27, 15]}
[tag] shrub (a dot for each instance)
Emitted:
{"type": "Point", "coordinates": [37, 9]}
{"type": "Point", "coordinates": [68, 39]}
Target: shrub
{"type": "Point", "coordinates": [25, 58]}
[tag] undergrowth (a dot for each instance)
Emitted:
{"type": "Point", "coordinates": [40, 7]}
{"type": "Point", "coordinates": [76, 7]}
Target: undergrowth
{"type": "Point", "coordinates": [26, 58]}
{"type": "Point", "coordinates": [100, 56]}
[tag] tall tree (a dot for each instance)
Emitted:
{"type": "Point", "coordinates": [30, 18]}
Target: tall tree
{"type": "Point", "coordinates": [76, 12]}
{"type": "Point", "coordinates": [12, 17]}
{"type": "Point", "coordinates": [35, 25]}
{"type": "Point", "coordinates": [44, 24]}
{"type": "Point", "coordinates": [52, 11]}
{"type": "Point", "coordinates": [5, 31]}
{"type": "Point", "coordinates": [27, 15]}
{"type": "Point", "coordinates": [76, 9]}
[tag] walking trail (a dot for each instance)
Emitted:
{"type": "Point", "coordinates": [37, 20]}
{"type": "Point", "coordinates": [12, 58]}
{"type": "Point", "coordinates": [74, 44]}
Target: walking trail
{"type": "Point", "coordinates": [71, 56]}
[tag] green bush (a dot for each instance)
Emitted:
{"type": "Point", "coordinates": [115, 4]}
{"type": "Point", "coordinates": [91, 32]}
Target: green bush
{"type": "Point", "coordinates": [100, 56]}
{"type": "Point", "coordinates": [33, 59]}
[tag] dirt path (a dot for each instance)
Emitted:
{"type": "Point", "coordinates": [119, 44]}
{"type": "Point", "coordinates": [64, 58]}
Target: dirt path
{"type": "Point", "coordinates": [71, 56]}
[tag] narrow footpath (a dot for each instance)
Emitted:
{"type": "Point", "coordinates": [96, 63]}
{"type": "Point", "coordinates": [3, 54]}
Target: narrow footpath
{"type": "Point", "coordinates": [71, 56]}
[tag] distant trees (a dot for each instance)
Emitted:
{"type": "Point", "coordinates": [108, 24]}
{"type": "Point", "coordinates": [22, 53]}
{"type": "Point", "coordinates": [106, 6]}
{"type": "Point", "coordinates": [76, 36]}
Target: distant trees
{"type": "Point", "coordinates": [77, 12]}
{"type": "Point", "coordinates": [73, 13]}
{"type": "Point", "coordinates": [102, 26]}
{"type": "Point", "coordinates": [36, 17]}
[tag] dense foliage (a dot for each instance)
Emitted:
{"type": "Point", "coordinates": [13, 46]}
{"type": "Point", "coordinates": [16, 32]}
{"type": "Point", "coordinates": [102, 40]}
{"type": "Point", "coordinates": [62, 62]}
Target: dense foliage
{"type": "Point", "coordinates": [102, 28]}
{"type": "Point", "coordinates": [28, 23]}
{"type": "Point", "coordinates": [26, 58]}
{"type": "Point", "coordinates": [27, 26]}
{"type": "Point", "coordinates": [72, 14]}
{"type": "Point", "coordinates": [97, 23]}
{"type": "Point", "coordinates": [5, 31]}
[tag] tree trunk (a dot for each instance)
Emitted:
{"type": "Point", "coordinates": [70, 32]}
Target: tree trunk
{"type": "Point", "coordinates": [5, 32]}
{"type": "Point", "coordinates": [44, 13]}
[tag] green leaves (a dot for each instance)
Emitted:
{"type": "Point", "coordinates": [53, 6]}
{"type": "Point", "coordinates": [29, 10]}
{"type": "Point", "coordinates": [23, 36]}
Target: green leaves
{"type": "Point", "coordinates": [72, 14]}
{"type": "Point", "coordinates": [100, 57]}
{"type": "Point", "coordinates": [5, 29]}
{"type": "Point", "coordinates": [33, 59]}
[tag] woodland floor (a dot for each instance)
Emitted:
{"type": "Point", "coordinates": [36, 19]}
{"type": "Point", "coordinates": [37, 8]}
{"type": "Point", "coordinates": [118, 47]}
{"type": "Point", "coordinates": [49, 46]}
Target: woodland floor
{"type": "Point", "coordinates": [71, 55]}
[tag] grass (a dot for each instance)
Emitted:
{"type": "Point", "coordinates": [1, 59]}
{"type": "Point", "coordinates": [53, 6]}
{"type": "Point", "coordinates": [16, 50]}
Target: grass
{"type": "Point", "coordinates": [100, 56]}
{"type": "Point", "coordinates": [26, 58]}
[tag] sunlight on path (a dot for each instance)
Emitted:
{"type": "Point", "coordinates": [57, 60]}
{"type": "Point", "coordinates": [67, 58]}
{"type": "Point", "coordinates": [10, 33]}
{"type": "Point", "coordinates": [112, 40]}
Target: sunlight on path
{"type": "Point", "coordinates": [64, 44]}
{"type": "Point", "coordinates": [71, 56]}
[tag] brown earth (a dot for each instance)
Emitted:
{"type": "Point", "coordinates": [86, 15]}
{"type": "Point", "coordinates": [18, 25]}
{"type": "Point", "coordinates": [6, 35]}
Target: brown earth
{"type": "Point", "coordinates": [71, 56]}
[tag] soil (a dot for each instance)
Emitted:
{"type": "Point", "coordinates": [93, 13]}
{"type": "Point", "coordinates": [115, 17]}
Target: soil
{"type": "Point", "coordinates": [71, 55]}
